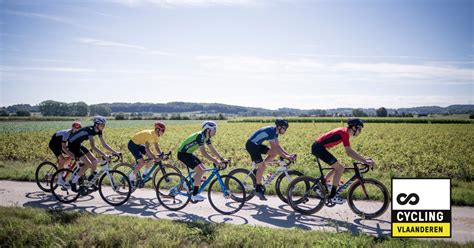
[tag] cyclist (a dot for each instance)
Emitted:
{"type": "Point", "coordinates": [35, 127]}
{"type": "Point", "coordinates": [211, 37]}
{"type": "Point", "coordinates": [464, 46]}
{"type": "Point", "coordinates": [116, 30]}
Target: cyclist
{"type": "Point", "coordinates": [331, 139]}
{"type": "Point", "coordinates": [255, 148]}
{"type": "Point", "coordinates": [139, 145]}
{"type": "Point", "coordinates": [81, 152]}
{"type": "Point", "coordinates": [58, 146]}
{"type": "Point", "coordinates": [191, 144]}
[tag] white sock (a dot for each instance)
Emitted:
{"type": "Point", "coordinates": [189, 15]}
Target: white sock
{"type": "Point", "coordinates": [131, 176]}
{"type": "Point", "coordinates": [75, 179]}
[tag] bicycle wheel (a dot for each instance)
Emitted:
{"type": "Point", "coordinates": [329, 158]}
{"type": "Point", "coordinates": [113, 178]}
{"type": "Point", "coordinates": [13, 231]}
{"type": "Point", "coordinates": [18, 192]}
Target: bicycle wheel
{"type": "Point", "coordinates": [43, 175]}
{"type": "Point", "coordinates": [173, 191]}
{"type": "Point", "coordinates": [369, 199]}
{"type": "Point", "coordinates": [306, 200]}
{"type": "Point", "coordinates": [281, 184]}
{"type": "Point", "coordinates": [114, 187]}
{"type": "Point", "coordinates": [160, 172]}
{"type": "Point", "coordinates": [226, 198]}
{"type": "Point", "coordinates": [248, 181]}
{"type": "Point", "coordinates": [63, 192]}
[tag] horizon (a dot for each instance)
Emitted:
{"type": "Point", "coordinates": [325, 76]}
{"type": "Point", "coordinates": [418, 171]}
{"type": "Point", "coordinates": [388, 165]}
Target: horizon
{"type": "Point", "coordinates": [255, 53]}
{"type": "Point", "coordinates": [421, 106]}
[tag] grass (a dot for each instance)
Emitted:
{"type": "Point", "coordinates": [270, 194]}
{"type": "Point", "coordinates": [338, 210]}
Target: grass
{"type": "Point", "coordinates": [50, 228]}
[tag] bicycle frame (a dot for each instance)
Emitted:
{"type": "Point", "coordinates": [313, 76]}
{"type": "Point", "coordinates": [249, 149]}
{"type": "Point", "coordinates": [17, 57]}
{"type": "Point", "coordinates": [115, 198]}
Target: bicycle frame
{"type": "Point", "coordinates": [147, 177]}
{"type": "Point", "coordinates": [283, 169]}
{"type": "Point", "coordinates": [215, 172]}
{"type": "Point", "coordinates": [357, 176]}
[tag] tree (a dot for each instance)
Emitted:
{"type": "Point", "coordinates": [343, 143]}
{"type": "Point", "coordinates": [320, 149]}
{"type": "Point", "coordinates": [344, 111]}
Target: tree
{"type": "Point", "coordinates": [358, 113]}
{"type": "Point", "coordinates": [382, 112]}
{"type": "Point", "coordinates": [99, 109]}
{"type": "Point", "coordinates": [4, 112]}
{"type": "Point", "coordinates": [78, 109]}
{"type": "Point", "coordinates": [22, 112]}
{"type": "Point", "coordinates": [53, 108]}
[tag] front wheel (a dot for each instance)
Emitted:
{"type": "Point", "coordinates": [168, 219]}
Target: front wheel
{"type": "Point", "coordinates": [226, 198]}
{"type": "Point", "coordinates": [306, 200]}
{"type": "Point", "coordinates": [115, 188]}
{"type": "Point", "coordinates": [247, 179]}
{"type": "Point", "coordinates": [43, 175]}
{"type": "Point", "coordinates": [282, 182]}
{"type": "Point", "coordinates": [368, 198]}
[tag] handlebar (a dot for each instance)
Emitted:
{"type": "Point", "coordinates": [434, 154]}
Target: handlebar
{"type": "Point", "coordinates": [165, 156]}
{"type": "Point", "coordinates": [364, 168]}
{"type": "Point", "coordinates": [113, 158]}
{"type": "Point", "coordinates": [286, 161]}
{"type": "Point", "coordinates": [226, 163]}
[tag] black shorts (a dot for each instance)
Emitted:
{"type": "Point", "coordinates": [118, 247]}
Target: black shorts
{"type": "Point", "coordinates": [136, 150]}
{"type": "Point", "coordinates": [56, 145]}
{"type": "Point", "coordinates": [189, 159]}
{"type": "Point", "coordinates": [320, 152]}
{"type": "Point", "coordinates": [256, 151]}
{"type": "Point", "coordinates": [78, 149]}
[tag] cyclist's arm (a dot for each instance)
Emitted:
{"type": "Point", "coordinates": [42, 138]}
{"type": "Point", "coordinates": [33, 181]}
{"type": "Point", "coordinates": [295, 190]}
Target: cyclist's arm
{"type": "Point", "coordinates": [157, 148]}
{"type": "Point", "coordinates": [353, 154]}
{"type": "Point", "coordinates": [275, 145]}
{"type": "Point", "coordinates": [64, 147]}
{"type": "Point", "coordinates": [206, 155]}
{"type": "Point", "coordinates": [214, 151]}
{"type": "Point", "coordinates": [148, 151]}
{"type": "Point", "coordinates": [105, 145]}
{"type": "Point", "coordinates": [94, 147]}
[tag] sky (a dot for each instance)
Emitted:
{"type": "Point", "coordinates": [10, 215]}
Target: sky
{"type": "Point", "coordinates": [303, 54]}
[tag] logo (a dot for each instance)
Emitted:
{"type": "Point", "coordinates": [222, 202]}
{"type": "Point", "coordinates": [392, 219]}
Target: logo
{"type": "Point", "coordinates": [421, 208]}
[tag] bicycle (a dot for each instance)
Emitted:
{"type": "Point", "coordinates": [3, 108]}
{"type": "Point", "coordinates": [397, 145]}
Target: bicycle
{"type": "Point", "coordinates": [174, 191]}
{"type": "Point", "coordinates": [361, 189]}
{"type": "Point", "coordinates": [115, 195]}
{"type": "Point", "coordinates": [44, 173]}
{"type": "Point", "coordinates": [157, 167]}
{"type": "Point", "coordinates": [248, 178]}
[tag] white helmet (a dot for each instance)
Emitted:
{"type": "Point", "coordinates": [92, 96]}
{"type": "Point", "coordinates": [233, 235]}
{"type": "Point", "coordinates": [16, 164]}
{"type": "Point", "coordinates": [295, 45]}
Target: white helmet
{"type": "Point", "coordinates": [209, 125]}
{"type": "Point", "coordinates": [99, 120]}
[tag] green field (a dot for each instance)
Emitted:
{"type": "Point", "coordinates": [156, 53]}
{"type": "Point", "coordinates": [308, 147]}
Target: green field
{"type": "Point", "coordinates": [29, 227]}
{"type": "Point", "coordinates": [402, 150]}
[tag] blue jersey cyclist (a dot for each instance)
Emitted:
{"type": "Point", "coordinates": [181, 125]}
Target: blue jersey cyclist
{"type": "Point", "coordinates": [255, 148]}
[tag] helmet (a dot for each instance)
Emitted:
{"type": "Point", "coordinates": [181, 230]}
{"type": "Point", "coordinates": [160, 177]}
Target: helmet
{"type": "Point", "coordinates": [76, 125]}
{"type": "Point", "coordinates": [209, 125]}
{"type": "Point", "coordinates": [281, 123]}
{"type": "Point", "coordinates": [355, 122]}
{"type": "Point", "coordinates": [99, 120]}
{"type": "Point", "coordinates": [160, 125]}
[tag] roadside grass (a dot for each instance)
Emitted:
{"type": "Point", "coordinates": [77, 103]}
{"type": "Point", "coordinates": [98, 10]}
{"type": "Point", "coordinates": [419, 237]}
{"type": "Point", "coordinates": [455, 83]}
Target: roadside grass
{"type": "Point", "coordinates": [30, 227]}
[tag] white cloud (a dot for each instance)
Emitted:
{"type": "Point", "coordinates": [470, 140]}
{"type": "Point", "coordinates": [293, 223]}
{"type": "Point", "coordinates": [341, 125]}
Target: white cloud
{"type": "Point", "coordinates": [57, 19]}
{"type": "Point", "coordinates": [104, 43]}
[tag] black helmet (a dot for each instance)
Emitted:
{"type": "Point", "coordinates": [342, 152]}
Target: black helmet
{"type": "Point", "coordinates": [355, 122]}
{"type": "Point", "coordinates": [281, 123]}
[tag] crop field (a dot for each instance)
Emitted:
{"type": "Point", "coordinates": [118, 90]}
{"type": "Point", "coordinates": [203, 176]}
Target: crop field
{"type": "Point", "coordinates": [399, 149]}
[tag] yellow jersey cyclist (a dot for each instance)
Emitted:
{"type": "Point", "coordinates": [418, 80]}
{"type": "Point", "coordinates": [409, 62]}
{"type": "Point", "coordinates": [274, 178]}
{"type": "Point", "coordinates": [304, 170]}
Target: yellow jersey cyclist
{"type": "Point", "coordinates": [81, 152]}
{"type": "Point", "coordinates": [331, 139]}
{"type": "Point", "coordinates": [255, 148]}
{"type": "Point", "coordinates": [191, 144]}
{"type": "Point", "coordinates": [139, 145]}
{"type": "Point", "coordinates": [58, 145]}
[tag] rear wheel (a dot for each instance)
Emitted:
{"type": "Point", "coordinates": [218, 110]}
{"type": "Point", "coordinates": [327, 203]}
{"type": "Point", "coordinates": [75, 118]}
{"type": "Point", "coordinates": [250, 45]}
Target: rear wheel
{"type": "Point", "coordinates": [282, 182]}
{"type": "Point", "coordinates": [247, 179]}
{"type": "Point", "coordinates": [62, 191]}
{"type": "Point", "coordinates": [127, 168]}
{"type": "Point", "coordinates": [160, 172]}
{"type": "Point", "coordinates": [173, 191]}
{"type": "Point", "coordinates": [303, 199]}
{"type": "Point", "coordinates": [43, 175]}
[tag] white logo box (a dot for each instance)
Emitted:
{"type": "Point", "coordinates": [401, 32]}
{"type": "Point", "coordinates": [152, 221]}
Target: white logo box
{"type": "Point", "coordinates": [434, 194]}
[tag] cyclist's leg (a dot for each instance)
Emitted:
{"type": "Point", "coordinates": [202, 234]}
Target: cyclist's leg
{"type": "Point", "coordinates": [55, 145]}
{"type": "Point", "coordinates": [136, 151]}
{"type": "Point", "coordinates": [93, 162]}
{"type": "Point", "coordinates": [193, 163]}
{"type": "Point", "coordinates": [338, 169]}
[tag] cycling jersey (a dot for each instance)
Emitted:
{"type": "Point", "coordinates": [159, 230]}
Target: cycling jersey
{"type": "Point", "coordinates": [334, 137]}
{"type": "Point", "coordinates": [190, 144]}
{"type": "Point", "coordinates": [265, 133]}
{"type": "Point", "coordinates": [64, 134]}
{"type": "Point", "coordinates": [83, 134]}
{"type": "Point", "coordinates": [145, 136]}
